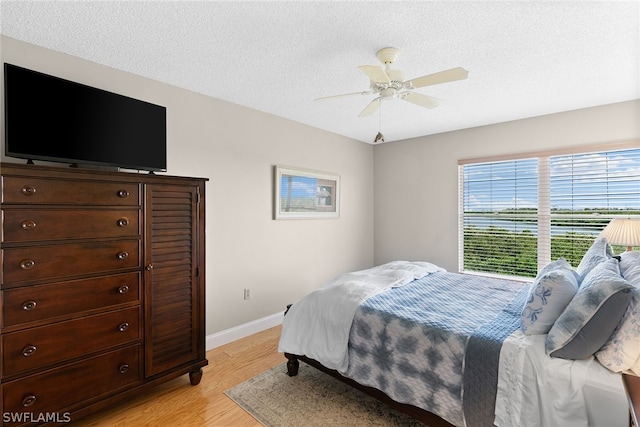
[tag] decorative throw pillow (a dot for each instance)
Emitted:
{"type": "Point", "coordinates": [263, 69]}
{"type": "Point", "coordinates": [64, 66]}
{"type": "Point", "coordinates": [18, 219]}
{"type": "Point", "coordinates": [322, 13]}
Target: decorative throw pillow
{"type": "Point", "coordinates": [561, 263]}
{"type": "Point", "coordinates": [553, 289]}
{"type": "Point", "coordinates": [622, 349]}
{"type": "Point", "coordinates": [599, 251]}
{"type": "Point", "coordinates": [630, 267]}
{"type": "Point", "coordinates": [592, 315]}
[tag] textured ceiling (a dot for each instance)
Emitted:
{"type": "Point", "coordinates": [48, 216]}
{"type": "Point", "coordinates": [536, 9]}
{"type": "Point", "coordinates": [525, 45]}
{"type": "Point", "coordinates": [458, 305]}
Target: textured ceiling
{"type": "Point", "coordinates": [525, 58]}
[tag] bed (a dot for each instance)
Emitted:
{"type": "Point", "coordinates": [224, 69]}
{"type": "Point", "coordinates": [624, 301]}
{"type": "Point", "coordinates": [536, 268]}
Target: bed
{"type": "Point", "coordinates": [447, 348]}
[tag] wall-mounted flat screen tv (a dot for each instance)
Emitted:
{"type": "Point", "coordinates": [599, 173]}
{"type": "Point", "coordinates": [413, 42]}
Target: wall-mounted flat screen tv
{"type": "Point", "coordinates": [50, 118]}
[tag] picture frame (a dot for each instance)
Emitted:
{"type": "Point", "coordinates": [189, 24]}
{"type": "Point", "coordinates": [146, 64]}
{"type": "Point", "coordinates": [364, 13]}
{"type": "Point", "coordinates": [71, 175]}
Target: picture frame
{"type": "Point", "coordinates": [305, 194]}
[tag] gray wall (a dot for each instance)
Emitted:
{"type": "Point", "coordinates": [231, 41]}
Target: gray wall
{"type": "Point", "coordinates": [236, 148]}
{"type": "Point", "coordinates": [416, 181]}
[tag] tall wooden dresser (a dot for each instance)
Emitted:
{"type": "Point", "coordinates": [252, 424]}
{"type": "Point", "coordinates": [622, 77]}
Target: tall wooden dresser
{"type": "Point", "coordinates": [102, 288]}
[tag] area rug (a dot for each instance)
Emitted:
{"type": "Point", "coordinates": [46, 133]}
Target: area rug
{"type": "Point", "coordinates": [313, 399]}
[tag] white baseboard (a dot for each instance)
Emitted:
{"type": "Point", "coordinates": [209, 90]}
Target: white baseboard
{"type": "Point", "coordinates": [242, 331]}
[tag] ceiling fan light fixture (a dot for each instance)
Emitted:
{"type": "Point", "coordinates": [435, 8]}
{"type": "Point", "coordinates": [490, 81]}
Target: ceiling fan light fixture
{"type": "Point", "coordinates": [391, 84]}
{"type": "Point", "coordinates": [388, 92]}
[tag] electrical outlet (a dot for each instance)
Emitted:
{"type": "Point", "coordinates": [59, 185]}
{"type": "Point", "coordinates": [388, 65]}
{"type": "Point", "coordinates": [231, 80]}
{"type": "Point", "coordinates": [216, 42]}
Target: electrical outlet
{"type": "Point", "coordinates": [247, 293]}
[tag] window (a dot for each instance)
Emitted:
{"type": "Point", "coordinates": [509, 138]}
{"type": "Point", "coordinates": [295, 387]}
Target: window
{"type": "Point", "coordinates": [517, 215]}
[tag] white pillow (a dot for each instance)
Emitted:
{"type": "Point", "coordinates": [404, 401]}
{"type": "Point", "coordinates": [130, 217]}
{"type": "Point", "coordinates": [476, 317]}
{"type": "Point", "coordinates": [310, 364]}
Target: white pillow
{"type": "Point", "coordinates": [622, 350]}
{"type": "Point", "coordinates": [630, 267]}
{"type": "Point", "coordinates": [550, 293]}
{"type": "Point", "coordinates": [599, 251]}
{"type": "Point", "coordinates": [560, 263]}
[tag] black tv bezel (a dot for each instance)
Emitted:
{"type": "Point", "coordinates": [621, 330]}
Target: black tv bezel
{"type": "Point", "coordinates": [74, 161]}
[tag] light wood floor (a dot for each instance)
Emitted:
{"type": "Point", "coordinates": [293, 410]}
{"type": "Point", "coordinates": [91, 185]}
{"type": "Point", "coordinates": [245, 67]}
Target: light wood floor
{"type": "Point", "coordinates": [178, 403]}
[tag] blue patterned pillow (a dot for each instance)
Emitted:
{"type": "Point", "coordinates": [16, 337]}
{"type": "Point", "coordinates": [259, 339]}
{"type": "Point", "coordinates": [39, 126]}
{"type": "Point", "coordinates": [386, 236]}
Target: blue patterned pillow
{"type": "Point", "coordinates": [630, 267]}
{"type": "Point", "coordinates": [622, 351]}
{"type": "Point", "coordinates": [550, 293]}
{"type": "Point", "coordinates": [599, 251]}
{"type": "Point", "coordinates": [592, 315]}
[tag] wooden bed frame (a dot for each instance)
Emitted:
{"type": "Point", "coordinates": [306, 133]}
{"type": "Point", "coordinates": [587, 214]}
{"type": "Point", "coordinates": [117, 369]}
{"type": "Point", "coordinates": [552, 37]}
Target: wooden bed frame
{"type": "Point", "coordinates": [419, 414]}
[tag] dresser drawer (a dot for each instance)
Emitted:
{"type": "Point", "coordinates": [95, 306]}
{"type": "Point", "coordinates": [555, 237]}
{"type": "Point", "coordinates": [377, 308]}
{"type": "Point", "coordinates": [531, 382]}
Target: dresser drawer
{"type": "Point", "coordinates": [33, 303]}
{"type": "Point", "coordinates": [29, 265]}
{"type": "Point", "coordinates": [29, 225]}
{"type": "Point", "coordinates": [42, 346]}
{"type": "Point", "coordinates": [26, 190]}
{"type": "Point", "coordinates": [61, 388]}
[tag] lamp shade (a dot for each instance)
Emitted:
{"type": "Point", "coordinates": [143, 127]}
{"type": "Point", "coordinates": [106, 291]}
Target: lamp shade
{"type": "Point", "coordinates": [622, 231]}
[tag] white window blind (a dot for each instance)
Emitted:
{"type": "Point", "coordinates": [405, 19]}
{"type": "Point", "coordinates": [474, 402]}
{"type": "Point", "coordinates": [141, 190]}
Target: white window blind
{"type": "Point", "coordinates": [517, 215]}
{"type": "Point", "coordinates": [500, 216]}
{"type": "Point", "coordinates": [587, 191]}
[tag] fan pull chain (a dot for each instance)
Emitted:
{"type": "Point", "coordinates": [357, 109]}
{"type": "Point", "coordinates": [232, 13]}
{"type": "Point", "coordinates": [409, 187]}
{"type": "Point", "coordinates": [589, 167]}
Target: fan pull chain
{"type": "Point", "coordinates": [379, 137]}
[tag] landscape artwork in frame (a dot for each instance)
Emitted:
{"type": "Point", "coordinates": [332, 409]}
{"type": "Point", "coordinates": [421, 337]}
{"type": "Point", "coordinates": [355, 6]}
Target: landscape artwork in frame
{"type": "Point", "coordinates": [301, 193]}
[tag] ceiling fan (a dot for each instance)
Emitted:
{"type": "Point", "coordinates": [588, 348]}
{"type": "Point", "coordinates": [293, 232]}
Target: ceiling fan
{"type": "Point", "coordinates": [391, 84]}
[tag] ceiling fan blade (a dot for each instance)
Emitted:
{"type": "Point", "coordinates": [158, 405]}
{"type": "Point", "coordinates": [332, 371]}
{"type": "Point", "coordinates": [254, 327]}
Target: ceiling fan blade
{"type": "Point", "coordinates": [446, 76]}
{"type": "Point", "coordinates": [373, 106]}
{"type": "Point", "coordinates": [375, 73]}
{"type": "Point", "coordinates": [420, 99]}
{"type": "Point", "coordinates": [368, 92]}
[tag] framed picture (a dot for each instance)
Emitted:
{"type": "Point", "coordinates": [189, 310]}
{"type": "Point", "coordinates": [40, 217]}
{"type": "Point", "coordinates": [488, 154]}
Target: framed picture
{"type": "Point", "coordinates": [301, 193]}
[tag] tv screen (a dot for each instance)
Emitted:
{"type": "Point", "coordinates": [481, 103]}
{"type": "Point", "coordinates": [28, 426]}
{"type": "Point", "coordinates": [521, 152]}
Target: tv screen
{"type": "Point", "coordinates": [49, 118]}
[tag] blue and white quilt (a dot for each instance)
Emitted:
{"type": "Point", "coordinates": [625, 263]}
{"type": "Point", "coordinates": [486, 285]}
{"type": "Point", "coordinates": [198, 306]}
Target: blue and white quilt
{"type": "Point", "coordinates": [433, 342]}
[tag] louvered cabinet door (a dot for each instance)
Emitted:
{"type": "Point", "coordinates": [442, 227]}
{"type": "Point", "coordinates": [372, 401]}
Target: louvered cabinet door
{"type": "Point", "coordinates": [174, 282]}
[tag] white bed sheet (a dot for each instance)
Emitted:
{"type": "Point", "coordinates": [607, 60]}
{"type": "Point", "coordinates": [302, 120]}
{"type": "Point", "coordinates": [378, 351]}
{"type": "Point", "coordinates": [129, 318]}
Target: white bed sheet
{"type": "Point", "coordinates": [535, 390]}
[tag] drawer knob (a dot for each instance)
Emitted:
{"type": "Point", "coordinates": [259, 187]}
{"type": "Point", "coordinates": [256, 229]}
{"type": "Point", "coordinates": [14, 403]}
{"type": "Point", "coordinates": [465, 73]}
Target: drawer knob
{"type": "Point", "coordinates": [123, 289]}
{"type": "Point", "coordinates": [29, 350]}
{"type": "Point", "coordinates": [123, 326]}
{"type": "Point", "coordinates": [123, 222]}
{"type": "Point", "coordinates": [122, 193]}
{"type": "Point", "coordinates": [28, 224]}
{"type": "Point", "coordinates": [149, 267]}
{"type": "Point", "coordinates": [123, 255]}
{"type": "Point", "coordinates": [29, 400]}
{"type": "Point", "coordinates": [28, 190]}
{"type": "Point", "coordinates": [29, 305]}
{"type": "Point", "coordinates": [27, 264]}
{"type": "Point", "coordinates": [123, 368]}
